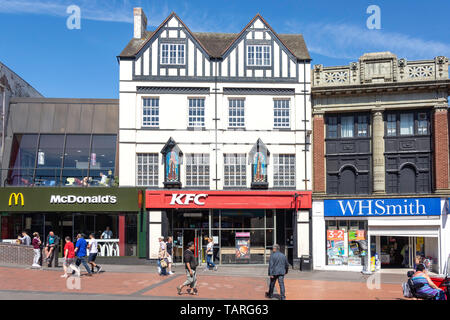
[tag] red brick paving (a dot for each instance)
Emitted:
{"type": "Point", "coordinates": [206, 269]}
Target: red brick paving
{"type": "Point", "coordinates": [210, 286]}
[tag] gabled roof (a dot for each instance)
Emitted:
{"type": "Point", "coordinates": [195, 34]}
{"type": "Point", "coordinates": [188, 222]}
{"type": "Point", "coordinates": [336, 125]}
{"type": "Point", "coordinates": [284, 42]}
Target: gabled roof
{"type": "Point", "coordinates": [216, 44]}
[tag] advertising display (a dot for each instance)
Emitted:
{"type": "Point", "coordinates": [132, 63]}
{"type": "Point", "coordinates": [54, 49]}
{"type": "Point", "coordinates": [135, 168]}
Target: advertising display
{"type": "Point", "coordinates": [243, 246]}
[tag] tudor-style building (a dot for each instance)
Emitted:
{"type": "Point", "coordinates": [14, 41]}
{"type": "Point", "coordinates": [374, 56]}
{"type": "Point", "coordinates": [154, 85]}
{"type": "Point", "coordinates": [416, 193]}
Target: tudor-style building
{"type": "Point", "coordinates": [225, 116]}
{"type": "Point", "coordinates": [381, 162]}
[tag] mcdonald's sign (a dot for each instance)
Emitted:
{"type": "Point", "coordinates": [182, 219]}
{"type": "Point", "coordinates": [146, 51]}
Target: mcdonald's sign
{"type": "Point", "coordinates": [16, 196]}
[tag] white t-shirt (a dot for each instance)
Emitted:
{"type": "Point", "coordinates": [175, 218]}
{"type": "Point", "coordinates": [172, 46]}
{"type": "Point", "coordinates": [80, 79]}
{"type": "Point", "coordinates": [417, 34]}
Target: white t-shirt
{"type": "Point", "coordinates": [93, 244]}
{"type": "Point", "coordinates": [209, 247]}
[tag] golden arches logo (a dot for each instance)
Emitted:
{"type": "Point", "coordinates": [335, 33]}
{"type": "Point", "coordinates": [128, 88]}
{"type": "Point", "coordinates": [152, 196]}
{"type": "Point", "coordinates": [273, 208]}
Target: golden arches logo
{"type": "Point", "coordinates": [17, 197]}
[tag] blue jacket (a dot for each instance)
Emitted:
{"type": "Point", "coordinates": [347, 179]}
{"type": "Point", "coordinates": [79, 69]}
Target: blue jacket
{"type": "Point", "coordinates": [278, 264]}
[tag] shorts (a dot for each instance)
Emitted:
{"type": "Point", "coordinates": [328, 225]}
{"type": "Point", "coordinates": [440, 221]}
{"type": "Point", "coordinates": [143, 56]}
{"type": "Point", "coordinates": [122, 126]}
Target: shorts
{"type": "Point", "coordinates": [69, 261]}
{"type": "Point", "coordinates": [92, 257]}
{"type": "Point", "coordinates": [169, 259]}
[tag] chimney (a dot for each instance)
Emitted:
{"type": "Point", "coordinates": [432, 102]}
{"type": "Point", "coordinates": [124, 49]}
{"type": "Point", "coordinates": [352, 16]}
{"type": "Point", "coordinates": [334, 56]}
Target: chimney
{"type": "Point", "coordinates": [140, 23]}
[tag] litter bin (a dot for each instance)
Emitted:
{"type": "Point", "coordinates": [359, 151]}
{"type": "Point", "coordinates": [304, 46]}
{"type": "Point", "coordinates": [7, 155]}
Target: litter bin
{"type": "Point", "coordinates": [305, 263]}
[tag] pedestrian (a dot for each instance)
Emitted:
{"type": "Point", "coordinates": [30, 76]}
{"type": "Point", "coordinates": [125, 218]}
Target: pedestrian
{"type": "Point", "coordinates": [162, 257]}
{"type": "Point", "coordinates": [36, 243]}
{"type": "Point", "coordinates": [25, 239]}
{"type": "Point", "coordinates": [50, 246]}
{"type": "Point", "coordinates": [190, 264]}
{"type": "Point", "coordinates": [169, 249]}
{"type": "Point", "coordinates": [278, 268]}
{"type": "Point", "coordinates": [80, 251]}
{"type": "Point", "coordinates": [93, 251]}
{"type": "Point", "coordinates": [107, 234]}
{"type": "Point", "coordinates": [209, 255]}
{"type": "Point", "coordinates": [69, 258]}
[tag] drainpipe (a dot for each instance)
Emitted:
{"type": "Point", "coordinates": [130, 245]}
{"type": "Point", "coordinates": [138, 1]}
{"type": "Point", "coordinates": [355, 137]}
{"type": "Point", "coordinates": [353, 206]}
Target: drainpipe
{"type": "Point", "coordinates": [3, 117]}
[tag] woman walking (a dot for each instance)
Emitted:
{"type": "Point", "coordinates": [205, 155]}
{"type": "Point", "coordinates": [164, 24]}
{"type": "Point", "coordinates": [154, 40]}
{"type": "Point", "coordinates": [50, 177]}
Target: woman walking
{"type": "Point", "coordinates": [210, 255]}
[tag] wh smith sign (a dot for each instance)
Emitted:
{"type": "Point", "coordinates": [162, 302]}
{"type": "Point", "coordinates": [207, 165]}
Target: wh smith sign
{"type": "Point", "coordinates": [382, 207]}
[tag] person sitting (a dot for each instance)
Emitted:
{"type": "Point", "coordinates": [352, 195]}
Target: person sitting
{"type": "Point", "coordinates": [424, 286]}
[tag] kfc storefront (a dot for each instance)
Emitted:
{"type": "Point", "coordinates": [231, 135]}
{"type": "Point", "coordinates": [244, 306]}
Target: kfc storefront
{"type": "Point", "coordinates": [244, 225]}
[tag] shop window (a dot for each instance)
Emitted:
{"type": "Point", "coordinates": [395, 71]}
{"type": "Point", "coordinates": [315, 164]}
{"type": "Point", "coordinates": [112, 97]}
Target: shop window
{"type": "Point", "coordinates": [346, 242]}
{"type": "Point", "coordinates": [102, 160]}
{"type": "Point", "coordinates": [49, 160]}
{"type": "Point", "coordinates": [23, 160]}
{"type": "Point", "coordinates": [76, 160]}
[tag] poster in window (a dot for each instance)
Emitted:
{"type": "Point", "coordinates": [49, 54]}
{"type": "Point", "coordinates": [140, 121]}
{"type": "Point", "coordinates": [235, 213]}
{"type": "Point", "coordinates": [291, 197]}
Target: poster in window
{"type": "Point", "coordinates": [243, 246]}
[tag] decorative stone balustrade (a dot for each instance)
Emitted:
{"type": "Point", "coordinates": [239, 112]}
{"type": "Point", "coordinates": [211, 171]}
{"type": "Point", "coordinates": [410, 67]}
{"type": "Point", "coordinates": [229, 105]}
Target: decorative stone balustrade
{"type": "Point", "coordinates": [380, 67]}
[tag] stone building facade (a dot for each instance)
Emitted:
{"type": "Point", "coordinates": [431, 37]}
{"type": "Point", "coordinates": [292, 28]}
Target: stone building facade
{"type": "Point", "coordinates": [380, 162]}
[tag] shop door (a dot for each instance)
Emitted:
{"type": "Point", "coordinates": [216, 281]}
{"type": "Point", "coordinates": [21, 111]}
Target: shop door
{"type": "Point", "coordinates": [183, 237]}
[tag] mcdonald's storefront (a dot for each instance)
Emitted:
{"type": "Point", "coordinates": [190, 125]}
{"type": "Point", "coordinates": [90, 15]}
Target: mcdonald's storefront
{"type": "Point", "coordinates": [69, 211]}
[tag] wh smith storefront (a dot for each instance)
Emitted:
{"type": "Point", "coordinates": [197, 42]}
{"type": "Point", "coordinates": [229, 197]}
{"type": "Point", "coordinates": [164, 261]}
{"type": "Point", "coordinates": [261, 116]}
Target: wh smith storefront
{"type": "Point", "coordinates": [349, 233]}
{"type": "Point", "coordinates": [243, 224]}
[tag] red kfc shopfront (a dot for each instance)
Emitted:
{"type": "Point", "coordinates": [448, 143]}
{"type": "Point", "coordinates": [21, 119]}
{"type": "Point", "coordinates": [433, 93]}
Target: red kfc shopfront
{"type": "Point", "coordinates": [243, 224]}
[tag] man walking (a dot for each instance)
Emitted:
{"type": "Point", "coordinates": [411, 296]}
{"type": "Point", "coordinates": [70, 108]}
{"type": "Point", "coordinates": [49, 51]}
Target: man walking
{"type": "Point", "coordinates": [69, 258]}
{"type": "Point", "coordinates": [93, 251]}
{"type": "Point", "coordinates": [80, 251]}
{"type": "Point", "coordinates": [278, 267]}
{"type": "Point", "coordinates": [190, 263]}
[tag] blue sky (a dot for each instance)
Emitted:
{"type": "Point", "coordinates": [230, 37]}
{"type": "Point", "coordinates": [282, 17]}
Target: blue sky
{"type": "Point", "coordinates": [58, 62]}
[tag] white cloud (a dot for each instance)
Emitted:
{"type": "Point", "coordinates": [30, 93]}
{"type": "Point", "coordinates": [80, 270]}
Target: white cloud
{"type": "Point", "coordinates": [104, 10]}
{"type": "Point", "coordinates": [345, 41]}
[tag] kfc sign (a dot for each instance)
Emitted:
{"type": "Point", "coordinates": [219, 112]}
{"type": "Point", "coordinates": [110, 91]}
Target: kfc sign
{"type": "Point", "coordinates": [188, 198]}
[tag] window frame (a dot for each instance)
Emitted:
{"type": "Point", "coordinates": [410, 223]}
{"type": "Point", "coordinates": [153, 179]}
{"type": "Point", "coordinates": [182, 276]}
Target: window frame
{"type": "Point", "coordinates": [242, 157]}
{"type": "Point", "coordinates": [355, 128]}
{"type": "Point", "coordinates": [281, 117]}
{"type": "Point", "coordinates": [177, 54]}
{"type": "Point", "coordinates": [148, 164]}
{"type": "Point", "coordinates": [252, 55]}
{"type": "Point", "coordinates": [196, 175]}
{"type": "Point", "coordinates": [192, 118]}
{"type": "Point", "coordinates": [288, 174]}
{"type": "Point", "coordinates": [415, 133]}
{"type": "Point", "coordinates": [150, 108]}
{"type": "Point", "coordinates": [234, 125]}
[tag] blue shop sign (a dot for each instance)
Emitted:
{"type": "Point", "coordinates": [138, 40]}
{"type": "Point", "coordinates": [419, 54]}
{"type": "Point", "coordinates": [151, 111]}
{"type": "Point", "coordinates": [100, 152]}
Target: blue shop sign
{"type": "Point", "coordinates": [382, 207]}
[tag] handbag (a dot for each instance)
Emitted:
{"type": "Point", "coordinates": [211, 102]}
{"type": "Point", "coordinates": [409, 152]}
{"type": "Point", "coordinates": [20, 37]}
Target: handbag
{"type": "Point", "coordinates": [163, 263]}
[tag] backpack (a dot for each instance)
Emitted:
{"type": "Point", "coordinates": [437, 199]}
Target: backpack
{"type": "Point", "coordinates": [407, 290]}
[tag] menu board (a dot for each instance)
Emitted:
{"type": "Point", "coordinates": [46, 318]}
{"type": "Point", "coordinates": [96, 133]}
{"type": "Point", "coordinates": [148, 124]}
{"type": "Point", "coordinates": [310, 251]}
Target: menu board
{"type": "Point", "coordinates": [242, 245]}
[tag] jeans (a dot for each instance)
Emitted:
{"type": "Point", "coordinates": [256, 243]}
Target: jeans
{"type": "Point", "coordinates": [280, 283]}
{"type": "Point", "coordinates": [82, 260]}
{"type": "Point", "coordinates": [163, 270]}
{"type": "Point", "coordinates": [191, 280]}
{"type": "Point", "coordinates": [37, 256]}
{"type": "Point", "coordinates": [209, 261]}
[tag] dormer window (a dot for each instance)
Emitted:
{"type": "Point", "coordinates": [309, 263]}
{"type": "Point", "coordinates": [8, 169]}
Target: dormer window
{"type": "Point", "coordinates": [172, 54]}
{"type": "Point", "coordinates": [258, 55]}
